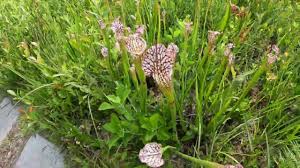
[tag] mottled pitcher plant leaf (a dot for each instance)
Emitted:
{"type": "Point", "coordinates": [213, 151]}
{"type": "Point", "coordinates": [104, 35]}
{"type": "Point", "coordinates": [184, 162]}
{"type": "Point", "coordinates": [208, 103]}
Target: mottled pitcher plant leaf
{"type": "Point", "coordinates": [135, 45]}
{"type": "Point", "coordinates": [151, 155]}
{"type": "Point", "coordinates": [158, 62]}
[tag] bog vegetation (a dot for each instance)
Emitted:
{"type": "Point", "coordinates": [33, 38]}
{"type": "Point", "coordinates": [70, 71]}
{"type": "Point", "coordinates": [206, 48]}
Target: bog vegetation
{"type": "Point", "coordinates": [202, 82]}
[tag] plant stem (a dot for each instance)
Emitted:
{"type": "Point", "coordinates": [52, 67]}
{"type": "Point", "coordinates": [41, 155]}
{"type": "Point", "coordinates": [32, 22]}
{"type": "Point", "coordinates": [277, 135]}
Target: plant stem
{"type": "Point", "coordinates": [183, 61]}
{"type": "Point", "coordinates": [92, 118]}
{"type": "Point", "coordinates": [170, 94]}
{"type": "Point", "coordinates": [125, 63]}
{"type": "Point", "coordinates": [159, 23]}
{"type": "Point", "coordinates": [134, 77]}
{"type": "Point", "coordinates": [196, 25]}
{"type": "Point", "coordinates": [203, 71]}
{"type": "Point", "coordinates": [193, 159]}
{"type": "Point", "coordinates": [138, 14]}
{"type": "Point", "coordinates": [250, 85]}
{"type": "Point", "coordinates": [108, 45]}
{"type": "Point", "coordinates": [143, 84]}
{"type": "Point", "coordinates": [216, 78]}
{"type": "Point", "coordinates": [218, 118]}
{"type": "Point", "coordinates": [109, 8]}
{"type": "Point", "coordinates": [200, 161]}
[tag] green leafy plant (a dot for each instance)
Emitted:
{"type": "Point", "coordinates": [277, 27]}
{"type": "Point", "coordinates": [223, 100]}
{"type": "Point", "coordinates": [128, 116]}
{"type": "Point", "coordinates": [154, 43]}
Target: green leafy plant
{"type": "Point", "coordinates": [218, 80]}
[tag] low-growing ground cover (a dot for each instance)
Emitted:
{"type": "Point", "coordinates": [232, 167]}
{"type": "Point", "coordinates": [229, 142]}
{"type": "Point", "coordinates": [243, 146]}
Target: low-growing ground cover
{"type": "Point", "coordinates": [216, 80]}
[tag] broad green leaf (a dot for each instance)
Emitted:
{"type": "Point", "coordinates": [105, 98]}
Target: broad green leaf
{"type": "Point", "coordinates": [169, 37]}
{"type": "Point", "coordinates": [114, 125]}
{"type": "Point", "coordinates": [176, 33]}
{"type": "Point", "coordinates": [106, 106]}
{"type": "Point", "coordinates": [154, 119]}
{"type": "Point", "coordinates": [147, 125]}
{"type": "Point", "coordinates": [11, 92]}
{"type": "Point", "coordinates": [113, 141]}
{"type": "Point", "coordinates": [149, 135]}
{"type": "Point", "coordinates": [163, 135]}
{"type": "Point", "coordinates": [130, 126]}
{"type": "Point", "coordinates": [114, 99]}
{"type": "Point", "coordinates": [242, 77]}
{"type": "Point", "coordinates": [122, 91]}
{"type": "Point", "coordinates": [225, 18]}
{"type": "Point", "coordinates": [188, 136]}
{"type": "Point", "coordinates": [75, 45]}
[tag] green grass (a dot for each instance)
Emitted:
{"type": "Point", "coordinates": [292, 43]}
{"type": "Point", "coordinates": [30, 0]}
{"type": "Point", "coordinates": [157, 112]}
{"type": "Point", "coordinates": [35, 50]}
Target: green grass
{"type": "Point", "coordinates": [99, 111]}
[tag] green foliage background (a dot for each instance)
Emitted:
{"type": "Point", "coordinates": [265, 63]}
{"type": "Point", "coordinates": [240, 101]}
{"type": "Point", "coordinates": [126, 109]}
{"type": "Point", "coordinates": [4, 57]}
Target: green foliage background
{"type": "Point", "coordinates": [50, 59]}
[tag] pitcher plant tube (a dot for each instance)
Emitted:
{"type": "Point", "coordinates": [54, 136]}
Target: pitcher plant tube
{"type": "Point", "coordinates": [158, 62]}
